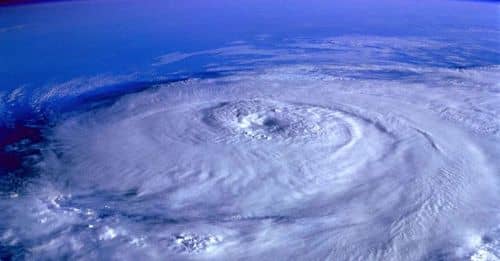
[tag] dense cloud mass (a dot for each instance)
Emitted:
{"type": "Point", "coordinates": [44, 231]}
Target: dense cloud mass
{"type": "Point", "coordinates": [312, 160]}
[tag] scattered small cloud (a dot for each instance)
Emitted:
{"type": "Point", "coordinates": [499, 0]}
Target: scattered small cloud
{"type": "Point", "coordinates": [12, 28]}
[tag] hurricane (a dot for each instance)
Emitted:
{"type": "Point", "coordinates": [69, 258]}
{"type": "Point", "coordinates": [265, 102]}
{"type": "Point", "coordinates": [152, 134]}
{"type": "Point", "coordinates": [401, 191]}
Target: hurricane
{"type": "Point", "coordinates": [336, 148]}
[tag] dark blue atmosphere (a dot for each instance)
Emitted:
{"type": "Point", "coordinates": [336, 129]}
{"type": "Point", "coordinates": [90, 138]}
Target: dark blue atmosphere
{"type": "Point", "coordinates": [170, 130]}
{"type": "Point", "coordinates": [56, 42]}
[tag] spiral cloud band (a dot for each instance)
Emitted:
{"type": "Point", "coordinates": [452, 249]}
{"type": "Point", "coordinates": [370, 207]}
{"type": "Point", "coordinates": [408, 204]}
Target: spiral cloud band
{"type": "Point", "coordinates": [307, 161]}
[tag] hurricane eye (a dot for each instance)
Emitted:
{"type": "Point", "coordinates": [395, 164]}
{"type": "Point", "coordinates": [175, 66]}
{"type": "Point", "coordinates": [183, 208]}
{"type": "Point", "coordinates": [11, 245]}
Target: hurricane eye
{"type": "Point", "coordinates": [272, 124]}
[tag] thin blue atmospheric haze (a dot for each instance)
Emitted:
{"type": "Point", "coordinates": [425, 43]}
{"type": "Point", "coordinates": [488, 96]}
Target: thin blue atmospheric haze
{"type": "Point", "coordinates": [250, 130]}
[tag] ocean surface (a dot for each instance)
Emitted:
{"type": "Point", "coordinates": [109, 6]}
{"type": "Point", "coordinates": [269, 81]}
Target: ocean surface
{"type": "Point", "coordinates": [250, 130]}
